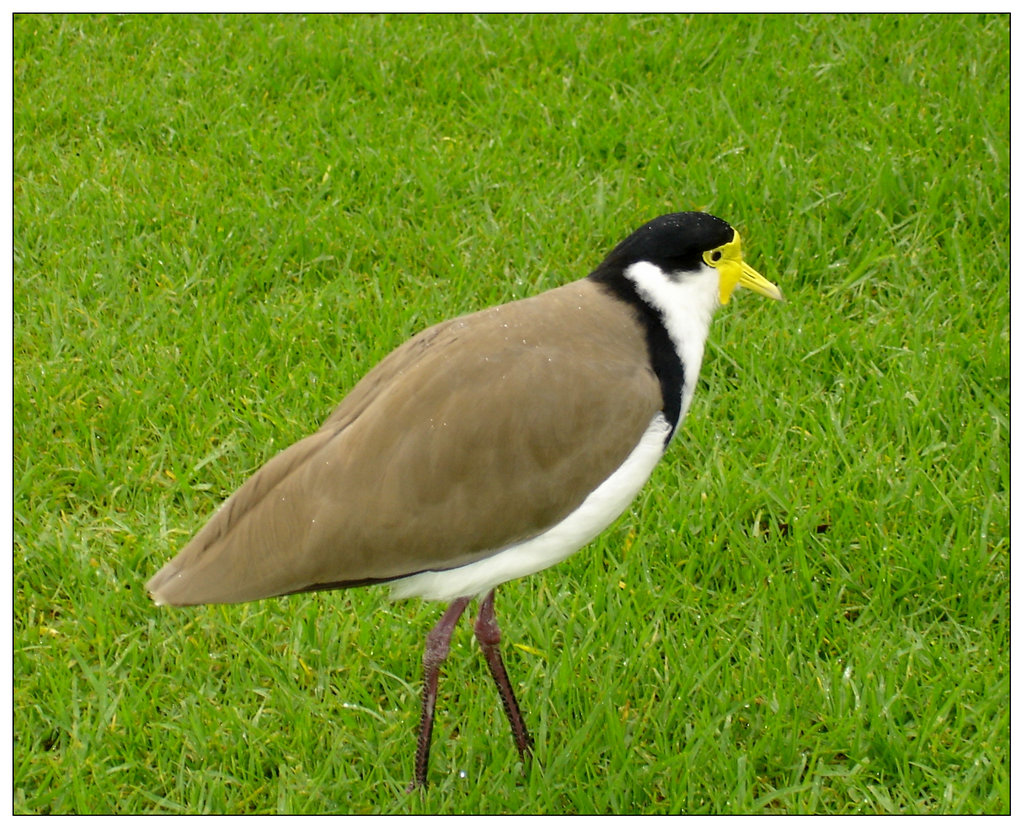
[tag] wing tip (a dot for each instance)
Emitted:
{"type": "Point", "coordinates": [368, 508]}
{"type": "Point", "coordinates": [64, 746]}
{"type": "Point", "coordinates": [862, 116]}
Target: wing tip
{"type": "Point", "coordinates": [159, 586]}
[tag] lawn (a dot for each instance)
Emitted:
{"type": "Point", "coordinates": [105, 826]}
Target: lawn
{"type": "Point", "coordinates": [221, 223]}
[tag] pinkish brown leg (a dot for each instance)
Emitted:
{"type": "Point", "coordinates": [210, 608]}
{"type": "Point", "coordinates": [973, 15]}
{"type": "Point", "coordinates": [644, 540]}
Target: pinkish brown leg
{"type": "Point", "coordinates": [434, 654]}
{"type": "Point", "coordinates": [488, 634]}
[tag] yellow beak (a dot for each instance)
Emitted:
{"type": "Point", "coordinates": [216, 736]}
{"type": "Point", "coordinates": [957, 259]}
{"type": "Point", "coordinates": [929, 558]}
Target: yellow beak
{"type": "Point", "coordinates": [751, 279]}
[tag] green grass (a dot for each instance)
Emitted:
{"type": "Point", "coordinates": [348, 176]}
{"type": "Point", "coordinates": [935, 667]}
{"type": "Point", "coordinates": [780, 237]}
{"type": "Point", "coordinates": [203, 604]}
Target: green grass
{"type": "Point", "coordinates": [220, 224]}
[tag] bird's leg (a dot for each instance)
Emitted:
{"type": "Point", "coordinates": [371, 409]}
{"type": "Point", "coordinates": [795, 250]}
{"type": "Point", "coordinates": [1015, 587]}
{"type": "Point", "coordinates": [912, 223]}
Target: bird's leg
{"type": "Point", "coordinates": [434, 654]}
{"type": "Point", "coordinates": [489, 636]}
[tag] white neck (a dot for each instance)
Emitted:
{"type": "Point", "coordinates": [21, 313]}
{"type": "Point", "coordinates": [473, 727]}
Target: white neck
{"type": "Point", "coordinates": [686, 303]}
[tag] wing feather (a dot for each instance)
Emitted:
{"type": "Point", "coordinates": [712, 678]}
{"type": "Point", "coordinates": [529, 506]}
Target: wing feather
{"type": "Point", "coordinates": [475, 434]}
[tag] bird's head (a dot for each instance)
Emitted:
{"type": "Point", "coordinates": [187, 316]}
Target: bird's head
{"type": "Point", "coordinates": [682, 242]}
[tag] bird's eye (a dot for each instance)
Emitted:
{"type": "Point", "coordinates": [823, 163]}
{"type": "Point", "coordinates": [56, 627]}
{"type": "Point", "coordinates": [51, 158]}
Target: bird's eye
{"type": "Point", "coordinates": [716, 255]}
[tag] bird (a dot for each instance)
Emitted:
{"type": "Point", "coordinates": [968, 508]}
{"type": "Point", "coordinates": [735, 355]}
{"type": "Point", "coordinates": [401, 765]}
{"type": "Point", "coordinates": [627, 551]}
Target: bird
{"type": "Point", "coordinates": [485, 448]}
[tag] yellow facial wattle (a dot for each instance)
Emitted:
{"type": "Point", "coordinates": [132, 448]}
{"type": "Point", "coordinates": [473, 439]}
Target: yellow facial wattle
{"type": "Point", "coordinates": [727, 259]}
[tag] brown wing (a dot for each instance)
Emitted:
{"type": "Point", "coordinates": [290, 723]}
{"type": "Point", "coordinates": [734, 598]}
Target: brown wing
{"type": "Point", "coordinates": [475, 434]}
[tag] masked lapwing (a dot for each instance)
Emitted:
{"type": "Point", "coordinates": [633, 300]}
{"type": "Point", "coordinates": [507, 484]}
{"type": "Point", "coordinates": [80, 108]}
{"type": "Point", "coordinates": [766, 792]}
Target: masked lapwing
{"type": "Point", "coordinates": [484, 449]}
